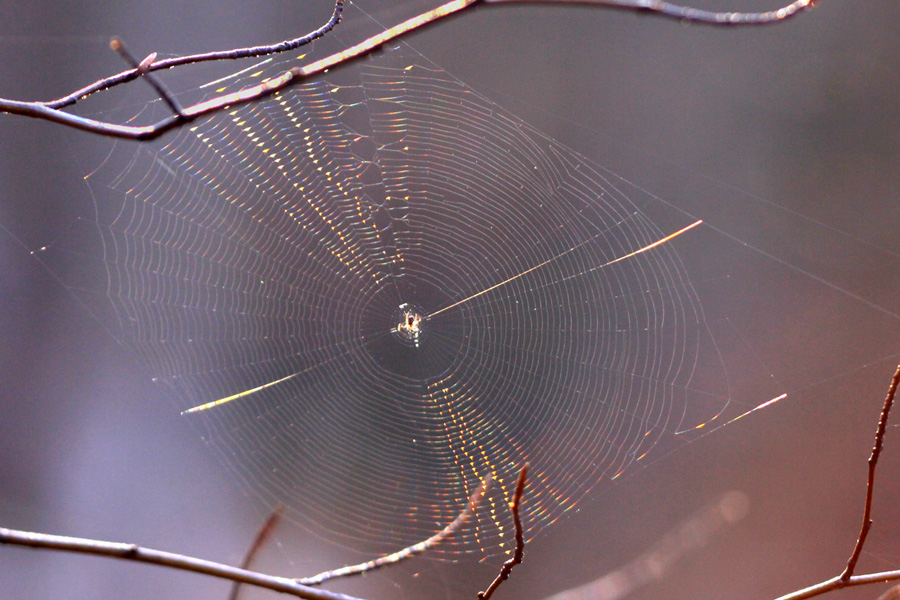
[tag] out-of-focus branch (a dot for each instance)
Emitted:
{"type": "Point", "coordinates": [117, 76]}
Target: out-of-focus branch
{"type": "Point", "coordinates": [262, 536]}
{"type": "Point", "coordinates": [892, 594]}
{"type": "Point", "coordinates": [847, 578]}
{"type": "Point", "coordinates": [51, 111]}
{"type": "Point", "coordinates": [654, 564]}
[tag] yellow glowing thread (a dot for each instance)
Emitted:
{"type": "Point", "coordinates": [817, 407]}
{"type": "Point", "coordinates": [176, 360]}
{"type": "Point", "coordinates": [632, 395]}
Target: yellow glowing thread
{"type": "Point", "coordinates": [221, 401]}
{"type": "Point", "coordinates": [558, 256]}
{"type": "Point", "coordinates": [760, 407]}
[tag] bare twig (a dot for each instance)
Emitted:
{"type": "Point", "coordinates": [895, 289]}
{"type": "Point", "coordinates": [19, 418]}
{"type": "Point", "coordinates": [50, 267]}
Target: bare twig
{"type": "Point", "coordinates": [870, 481]}
{"type": "Point", "coordinates": [684, 13]}
{"type": "Point", "coordinates": [470, 509]}
{"type": "Point", "coordinates": [261, 538]}
{"type": "Point", "coordinates": [836, 583]}
{"type": "Point", "coordinates": [143, 68]}
{"type": "Point", "coordinates": [300, 588]}
{"type": "Point", "coordinates": [234, 54]}
{"type": "Point", "coordinates": [519, 552]}
{"type": "Point", "coordinates": [50, 111]}
{"type": "Point", "coordinates": [846, 578]}
{"type": "Point", "coordinates": [166, 559]}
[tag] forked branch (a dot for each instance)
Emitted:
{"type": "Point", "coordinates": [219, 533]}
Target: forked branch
{"type": "Point", "coordinates": [847, 578]}
{"type": "Point", "coordinates": [285, 585]}
{"type": "Point", "coordinates": [179, 61]}
{"type": "Point", "coordinates": [136, 553]}
{"type": "Point", "coordinates": [51, 111]}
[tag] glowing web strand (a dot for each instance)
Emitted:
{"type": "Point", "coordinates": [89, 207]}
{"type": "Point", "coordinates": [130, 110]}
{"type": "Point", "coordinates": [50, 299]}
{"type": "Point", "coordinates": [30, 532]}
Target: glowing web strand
{"type": "Point", "coordinates": [658, 242]}
{"type": "Point", "coordinates": [765, 404]}
{"type": "Point", "coordinates": [221, 401]}
{"type": "Point", "coordinates": [557, 257]}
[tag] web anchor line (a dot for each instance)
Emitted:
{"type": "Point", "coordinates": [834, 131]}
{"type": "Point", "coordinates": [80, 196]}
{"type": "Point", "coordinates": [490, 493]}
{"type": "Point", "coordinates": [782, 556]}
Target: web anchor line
{"type": "Point", "coordinates": [658, 242]}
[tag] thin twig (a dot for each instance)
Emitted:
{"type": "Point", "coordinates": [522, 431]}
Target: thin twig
{"type": "Point", "coordinates": [519, 552]}
{"type": "Point", "coordinates": [234, 54]}
{"type": "Point", "coordinates": [50, 111]}
{"type": "Point", "coordinates": [259, 541]}
{"type": "Point", "coordinates": [870, 481]}
{"type": "Point", "coordinates": [847, 579]}
{"type": "Point", "coordinates": [390, 559]}
{"type": "Point", "coordinates": [684, 13]}
{"type": "Point", "coordinates": [836, 583]}
{"type": "Point", "coordinates": [166, 559]}
{"type": "Point", "coordinates": [143, 69]}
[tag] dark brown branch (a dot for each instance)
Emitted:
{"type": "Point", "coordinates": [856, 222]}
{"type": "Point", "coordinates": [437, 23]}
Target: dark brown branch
{"type": "Point", "coordinates": [234, 54]}
{"type": "Point", "coordinates": [143, 69]}
{"type": "Point", "coordinates": [261, 538]}
{"type": "Point", "coordinates": [50, 111]}
{"type": "Point", "coordinates": [390, 559]}
{"type": "Point", "coordinates": [870, 481]}
{"type": "Point", "coordinates": [847, 579]}
{"type": "Point", "coordinates": [519, 552]}
{"type": "Point", "coordinates": [166, 559]}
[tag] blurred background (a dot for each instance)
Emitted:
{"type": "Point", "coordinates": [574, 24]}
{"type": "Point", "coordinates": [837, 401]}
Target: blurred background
{"type": "Point", "coordinates": [784, 139]}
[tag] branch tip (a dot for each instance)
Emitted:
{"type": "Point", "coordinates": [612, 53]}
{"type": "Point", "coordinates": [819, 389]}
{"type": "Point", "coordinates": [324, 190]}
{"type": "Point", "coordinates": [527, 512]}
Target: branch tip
{"type": "Point", "coordinates": [519, 552]}
{"type": "Point", "coordinates": [870, 480]}
{"type": "Point", "coordinates": [143, 70]}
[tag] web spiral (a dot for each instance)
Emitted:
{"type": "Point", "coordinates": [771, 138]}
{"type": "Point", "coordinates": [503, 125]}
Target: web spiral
{"type": "Point", "coordinates": [400, 288]}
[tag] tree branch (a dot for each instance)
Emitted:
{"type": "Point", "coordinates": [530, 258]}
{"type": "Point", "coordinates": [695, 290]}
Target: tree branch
{"type": "Point", "coordinates": [684, 13]}
{"type": "Point", "coordinates": [262, 536]}
{"type": "Point", "coordinates": [870, 480]}
{"type": "Point", "coordinates": [656, 562]}
{"type": "Point", "coordinates": [166, 559]}
{"type": "Point", "coordinates": [836, 583]}
{"type": "Point", "coordinates": [296, 587]}
{"type": "Point", "coordinates": [234, 54]}
{"type": "Point", "coordinates": [519, 551]}
{"type": "Point", "coordinates": [846, 578]}
{"type": "Point", "coordinates": [50, 111]}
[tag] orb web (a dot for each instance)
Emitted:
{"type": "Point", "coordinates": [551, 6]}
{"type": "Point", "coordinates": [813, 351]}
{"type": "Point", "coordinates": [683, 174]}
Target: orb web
{"type": "Point", "coordinates": [383, 287]}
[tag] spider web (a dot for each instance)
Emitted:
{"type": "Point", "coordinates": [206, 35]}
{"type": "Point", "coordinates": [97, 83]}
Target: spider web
{"type": "Point", "coordinates": [375, 290]}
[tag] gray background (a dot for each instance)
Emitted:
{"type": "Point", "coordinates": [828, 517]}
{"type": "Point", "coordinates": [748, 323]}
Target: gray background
{"type": "Point", "coordinates": [785, 138]}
